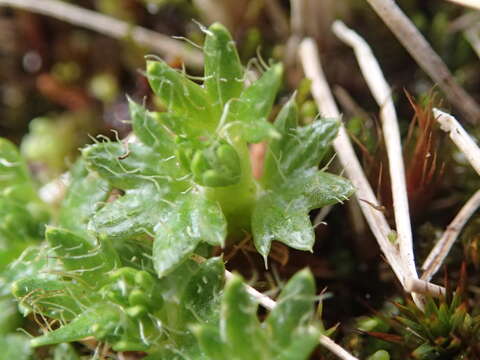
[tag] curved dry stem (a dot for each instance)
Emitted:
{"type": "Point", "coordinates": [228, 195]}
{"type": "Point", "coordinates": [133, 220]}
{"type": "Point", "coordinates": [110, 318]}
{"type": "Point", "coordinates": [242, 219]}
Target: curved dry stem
{"type": "Point", "coordinates": [441, 249]}
{"type": "Point", "coordinates": [107, 25]}
{"type": "Point", "coordinates": [474, 4]}
{"type": "Point", "coordinates": [383, 95]}
{"type": "Point", "coordinates": [426, 57]}
{"type": "Point", "coordinates": [460, 137]}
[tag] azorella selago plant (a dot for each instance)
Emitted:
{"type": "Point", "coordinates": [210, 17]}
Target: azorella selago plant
{"type": "Point", "coordinates": [115, 264]}
{"type": "Point", "coordinates": [187, 180]}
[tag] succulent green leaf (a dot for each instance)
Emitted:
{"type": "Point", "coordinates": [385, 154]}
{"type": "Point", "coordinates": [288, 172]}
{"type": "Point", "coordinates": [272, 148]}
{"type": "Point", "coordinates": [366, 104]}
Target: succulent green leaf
{"type": "Point", "coordinates": [85, 193]}
{"type": "Point", "coordinates": [316, 189]}
{"type": "Point", "coordinates": [210, 342]}
{"type": "Point", "coordinates": [31, 261]}
{"type": "Point", "coordinates": [88, 261]}
{"type": "Point", "coordinates": [149, 128]}
{"type": "Point", "coordinates": [55, 298]}
{"type": "Point", "coordinates": [193, 219]}
{"type": "Point", "coordinates": [299, 148]}
{"type": "Point", "coordinates": [276, 218]}
{"type": "Point", "coordinates": [95, 321]}
{"type": "Point", "coordinates": [131, 166]}
{"type": "Point", "coordinates": [282, 214]}
{"type": "Point", "coordinates": [253, 107]}
{"type": "Point", "coordinates": [223, 70]}
{"type": "Point", "coordinates": [131, 215]}
{"type": "Point", "coordinates": [294, 309]}
{"type": "Point", "coordinates": [239, 321]}
{"type": "Point", "coordinates": [182, 96]}
{"type": "Point", "coordinates": [18, 229]}
{"type": "Point", "coordinates": [201, 297]}
{"type": "Point", "coordinates": [302, 345]}
{"type": "Point", "coordinates": [216, 165]}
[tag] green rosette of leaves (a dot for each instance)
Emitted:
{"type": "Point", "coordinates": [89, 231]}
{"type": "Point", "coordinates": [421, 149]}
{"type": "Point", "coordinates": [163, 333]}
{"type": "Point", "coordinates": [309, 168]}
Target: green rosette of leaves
{"type": "Point", "coordinates": [186, 177]}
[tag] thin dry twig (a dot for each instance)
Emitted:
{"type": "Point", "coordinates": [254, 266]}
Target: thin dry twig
{"type": "Point", "coordinates": [308, 53]}
{"type": "Point", "coordinates": [382, 93]}
{"type": "Point", "coordinates": [472, 34]}
{"type": "Point", "coordinates": [321, 92]}
{"type": "Point", "coordinates": [115, 28]}
{"type": "Point", "coordinates": [426, 57]}
{"type": "Point", "coordinates": [460, 137]}
{"type": "Point", "coordinates": [423, 287]}
{"type": "Point", "coordinates": [441, 249]}
{"type": "Point", "coordinates": [474, 4]}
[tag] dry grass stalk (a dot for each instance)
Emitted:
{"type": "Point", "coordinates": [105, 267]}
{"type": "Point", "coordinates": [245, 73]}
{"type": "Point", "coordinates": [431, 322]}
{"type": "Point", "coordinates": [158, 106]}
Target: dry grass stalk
{"type": "Point", "coordinates": [164, 45]}
{"type": "Point", "coordinates": [423, 287]}
{"type": "Point", "coordinates": [343, 147]}
{"type": "Point", "coordinates": [460, 137]}
{"type": "Point", "coordinates": [472, 34]}
{"type": "Point", "coordinates": [426, 57]}
{"type": "Point", "coordinates": [441, 249]}
{"type": "Point", "coordinates": [308, 53]}
{"type": "Point", "coordinates": [382, 93]}
{"type": "Point", "coordinates": [474, 4]}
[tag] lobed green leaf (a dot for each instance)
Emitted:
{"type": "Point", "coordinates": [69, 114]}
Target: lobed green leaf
{"type": "Point", "coordinates": [183, 97]}
{"type": "Point", "coordinates": [253, 107]}
{"type": "Point", "coordinates": [87, 191]}
{"type": "Point", "coordinates": [223, 70]}
{"type": "Point", "coordinates": [88, 261]}
{"type": "Point", "coordinates": [193, 219]}
{"type": "Point", "coordinates": [149, 128]}
{"type": "Point", "coordinates": [299, 148]}
{"type": "Point", "coordinates": [239, 321]}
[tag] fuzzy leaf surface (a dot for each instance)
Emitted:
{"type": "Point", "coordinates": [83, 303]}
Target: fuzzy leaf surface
{"type": "Point", "coordinates": [89, 261]}
{"type": "Point", "coordinates": [294, 309]}
{"type": "Point", "coordinates": [193, 219]}
{"type": "Point", "coordinates": [85, 193]}
{"type": "Point", "coordinates": [223, 70]}
{"type": "Point", "coordinates": [131, 166]}
{"type": "Point", "coordinates": [182, 96]}
{"type": "Point", "coordinates": [148, 127]}
{"type": "Point", "coordinates": [282, 214]}
{"type": "Point", "coordinates": [299, 147]}
{"type": "Point", "coordinates": [134, 214]}
{"type": "Point", "coordinates": [201, 297]}
{"type": "Point", "coordinates": [253, 107]}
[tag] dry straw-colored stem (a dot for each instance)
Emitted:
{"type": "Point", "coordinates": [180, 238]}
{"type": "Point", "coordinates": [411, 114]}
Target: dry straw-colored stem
{"type": "Point", "coordinates": [423, 287]}
{"type": "Point", "coordinates": [472, 34]}
{"type": "Point", "coordinates": [162, 44]}
{"type": "Point", "coordinates": [426, 57]}
{"type": "Point", "coordinates": [460, 137]}
{"type": "Point", "coordinates": [474, 4]}
{"type": "Point", "coordinates": [308, 53]}
{"type": "Point", "coordinates": [368, 203]}
{"type": "Point", "coordinates": [441, 249]}
{"type": "Point", "coordinates": [381, 91]}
